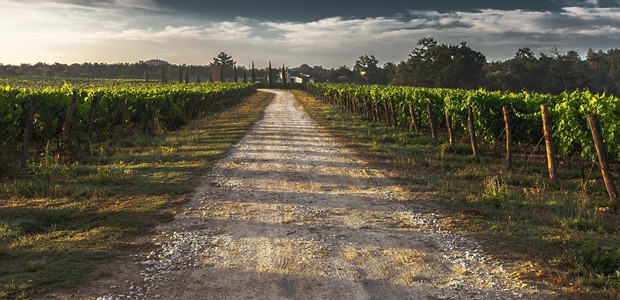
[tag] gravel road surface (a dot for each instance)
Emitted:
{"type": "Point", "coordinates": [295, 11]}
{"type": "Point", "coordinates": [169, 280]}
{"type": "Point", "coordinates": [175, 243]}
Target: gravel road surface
{"type": "Point", "coordinates": [292, 214]}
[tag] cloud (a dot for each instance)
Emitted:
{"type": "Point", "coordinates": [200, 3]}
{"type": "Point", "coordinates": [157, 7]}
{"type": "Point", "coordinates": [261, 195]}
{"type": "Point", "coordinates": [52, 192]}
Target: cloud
{"type": "Point", "coordinates": [93, 4]}
{"type": "Point", "coordinates": [122, 30]}
{"type": "Point", "coordinates": [589, 3]}
{"type": "Point", "coordinates": [497, 33]}
{"type": "Point", "coordinates": [142, 4]}
{"type": "Point", "coordinates": [600, 14]}
{"type": "Point", "coordinates": [227, 31]}
{"type": "Point", "coordinates": [157, 35]}
{"type": "Point", "coordinates": [339, 32]}
{"type": "Point", "coordinates": [240, 29]}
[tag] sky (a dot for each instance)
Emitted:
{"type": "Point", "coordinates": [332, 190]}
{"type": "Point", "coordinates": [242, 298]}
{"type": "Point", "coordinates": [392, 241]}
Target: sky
{"type": "Point", "coordinates": [314, 32]}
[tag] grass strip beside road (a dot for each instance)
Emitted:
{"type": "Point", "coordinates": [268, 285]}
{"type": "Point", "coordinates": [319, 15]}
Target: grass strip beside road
{"type": "Point", "coordinates": [562, 235]}
{"type": "Point", "coordinates": [59, 220]}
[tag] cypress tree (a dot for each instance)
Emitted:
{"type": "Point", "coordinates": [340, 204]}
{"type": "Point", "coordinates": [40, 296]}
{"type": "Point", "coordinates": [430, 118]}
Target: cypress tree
{"type": "Point", "coordinates": [269, 76]}
{"type": "Point", "coordinates": [283, 77]}
{"type": "Point", "coordinates": [253, 74]}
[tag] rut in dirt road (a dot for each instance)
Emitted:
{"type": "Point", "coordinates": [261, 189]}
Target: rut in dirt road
{"type": "Point", "coordinates": [292, 214]}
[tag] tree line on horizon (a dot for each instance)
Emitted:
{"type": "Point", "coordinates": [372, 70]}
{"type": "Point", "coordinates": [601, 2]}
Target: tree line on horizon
{"type": "Point", "coordinates": [430, 64]}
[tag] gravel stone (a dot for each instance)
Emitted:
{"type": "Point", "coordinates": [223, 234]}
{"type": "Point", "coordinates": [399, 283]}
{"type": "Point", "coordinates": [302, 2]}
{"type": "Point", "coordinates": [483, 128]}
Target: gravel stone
{"type": "Point", "coordinates": [290, 213]}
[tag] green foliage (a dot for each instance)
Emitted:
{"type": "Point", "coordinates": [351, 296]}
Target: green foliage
{"type": "Point", "coordinates": [565, 230]}
{"type": "Point", "coordinates": [569, 112]}
{"type": "Point", "coordinates": [59, 220]}
{"type": "Point", "coordinates": [122, 107]}
{"type": "Point", "coordinates": [461, 149]}
{"type": "Point", "coordinates": [497, 192]}
{"type": "Point", "coordinates": [602, 260]}
{"type": "Point", "coordinates": [441, 65]}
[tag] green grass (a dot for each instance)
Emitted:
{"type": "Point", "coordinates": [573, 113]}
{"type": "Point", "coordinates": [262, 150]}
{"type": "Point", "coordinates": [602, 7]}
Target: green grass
{"type": "Point", "coordinates": [564, 235]}
{"type": "Point", "coordinates": [58, 220]}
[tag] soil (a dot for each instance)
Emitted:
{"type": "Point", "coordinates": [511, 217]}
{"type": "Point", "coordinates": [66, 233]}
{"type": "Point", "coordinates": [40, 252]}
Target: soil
{"type": "Point", "coordinates": [290, 213]}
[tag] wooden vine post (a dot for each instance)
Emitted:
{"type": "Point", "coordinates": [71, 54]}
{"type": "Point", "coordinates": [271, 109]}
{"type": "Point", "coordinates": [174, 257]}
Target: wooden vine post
{"type": "Point", "coordinates": [66, 126]}
{"type": "Point", "coordinates": [603, 161]}
{"type": "Point", "coordinates": [148, 125]}
{"type": "Point", "coordinates": [415, 125]}
{"type": "Point", "coordinates": [375, 112]}
{"type": "Point", "coordinates": [393, 113]}
{"type": "Point", "coordinates": [551, 161]}
{"type": "Point", "coordinates": [386, 112]}
{"type": "Point", "coordinates": [449, 126]}
{"type": "Point", "coordinates": [125, 103]}
{"type": "Point", "coordinates": [27, 132]}
{"type": "Point", "coordinates": [118, 118]}
{"type": "Point", "coordinates": [472, 132]}
{"type": "Point", "coordinates": [508, 137]}
{"type": "Point", "coordinates": [431, 122]}
{"type": "Point", "coordinates": [92, 116]}
{"type": "Point", "coordinates": [367, 107]}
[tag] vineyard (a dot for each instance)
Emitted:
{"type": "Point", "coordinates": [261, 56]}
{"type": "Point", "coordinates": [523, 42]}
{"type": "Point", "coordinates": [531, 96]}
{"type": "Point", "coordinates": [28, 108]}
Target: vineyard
{"type": "Point", "coordinates": [490, 116]}
{"type": "Point", "coordinates": [103, 160]}
{"type": "Point", "coordinates": [69, 117]}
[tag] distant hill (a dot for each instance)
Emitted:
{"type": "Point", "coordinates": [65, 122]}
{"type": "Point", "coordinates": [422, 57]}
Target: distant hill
{"type": "Point", "coordinates": [156, 62]}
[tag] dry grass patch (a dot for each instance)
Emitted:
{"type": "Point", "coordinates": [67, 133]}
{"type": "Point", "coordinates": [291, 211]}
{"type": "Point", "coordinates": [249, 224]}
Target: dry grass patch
{"type": "Point", "coordinates": [57, 220]}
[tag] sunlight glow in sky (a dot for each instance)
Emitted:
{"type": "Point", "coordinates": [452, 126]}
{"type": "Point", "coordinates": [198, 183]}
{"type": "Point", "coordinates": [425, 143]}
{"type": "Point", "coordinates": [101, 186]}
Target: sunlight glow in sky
{"type": "Point", "coordinates": [76, 31]}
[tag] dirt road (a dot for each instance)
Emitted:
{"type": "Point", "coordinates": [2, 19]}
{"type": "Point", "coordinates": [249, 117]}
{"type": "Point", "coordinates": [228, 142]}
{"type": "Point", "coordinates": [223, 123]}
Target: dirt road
{"type": "Point", "coordinates": [292, 214]}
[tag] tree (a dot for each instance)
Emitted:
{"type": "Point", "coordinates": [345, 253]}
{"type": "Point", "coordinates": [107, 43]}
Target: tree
{"type": "Point", "coordinates": [426, 45]}
{"type": "Point", "coordinates": [316, 72]}
{"type": "Point", "coordinates": [418, 69]}
{"type": "Point", "coordinates": [387, 73]}
{"type": "Point", "coordinates": [613, 56]}
{"type": "Point", "coordinates": [440, 65]}
{"type": "Point", "coordinates": [366, 67]}
{"type": "Point", "coordinates": [341, 74]}
{"type": "Point", "coordinates": [596, 60]}
{"type": "Point", "coordinates": [524, 71]}
{"type": "Point", "coordinates": [467, 65]}
{"type": "Point", "coordinates": [283, 77]}
{"type": "Point", "coordinates": [269, 76]}
{"type": "Point", "coordinates": [306, 69]}
{"type": "Point", "coordinates": [223, 61]}
{"type": "Point", "coordinates": [253, 73]}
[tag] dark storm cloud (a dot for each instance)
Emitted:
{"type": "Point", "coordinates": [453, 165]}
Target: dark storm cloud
{"type": "Point", "coordinates": [317, 9]}
{"type": "Point", "coordinates": [277, 10]}
{"type": "Point", "coordinates": [148, 5]}
{"type": "Point", "coordinates": [315, 32]}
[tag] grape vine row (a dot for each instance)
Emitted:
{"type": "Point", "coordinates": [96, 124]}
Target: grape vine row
{"type": "Point", "coordinates": [96, 111]}
{"type": "Point", "coordinates": [406, 106]}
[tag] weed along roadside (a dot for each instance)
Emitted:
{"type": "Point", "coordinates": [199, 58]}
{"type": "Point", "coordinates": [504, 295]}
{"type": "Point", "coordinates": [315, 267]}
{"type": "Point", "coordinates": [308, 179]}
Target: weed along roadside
{"type": "Point", "coordinates": [59, 220]}
{"type": "Point", "coordinates": [558, 234]}
{"type": "Point", "coordinates": [291, 213]}
{"type": "Point", "coordinates": [290, 208]}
